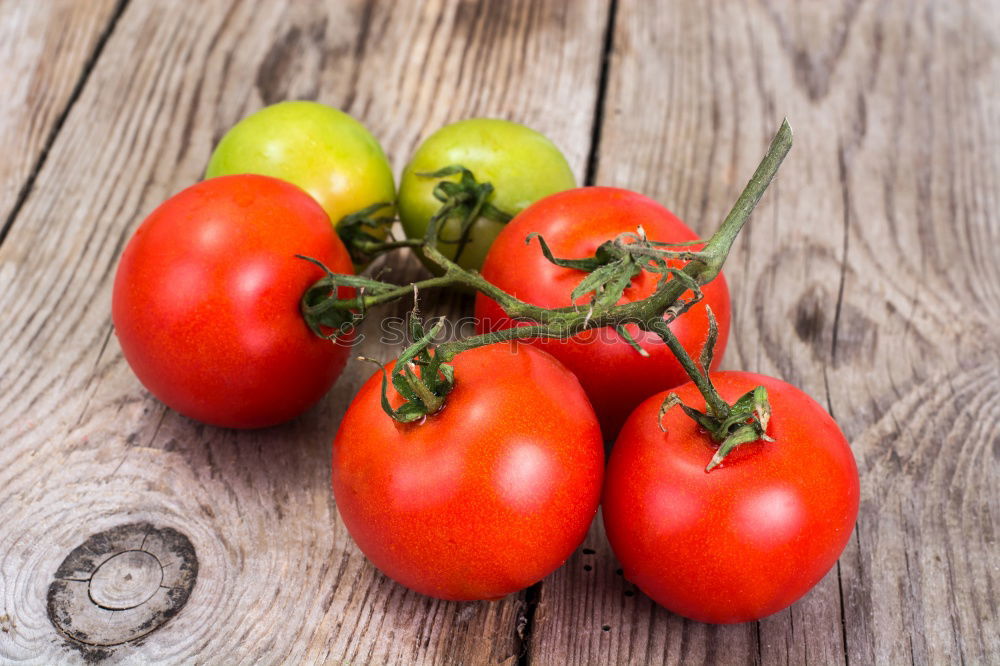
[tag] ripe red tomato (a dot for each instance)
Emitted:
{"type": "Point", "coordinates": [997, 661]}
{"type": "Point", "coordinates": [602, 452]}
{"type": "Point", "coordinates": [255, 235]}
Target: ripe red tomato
{"type": "Point", "coordinates": [748, 538]}
{"type": "Point", "coordinates": [486, 496]}
{"type": "Point", "coordinates": [206, 302]}
{"type": "Point", "coordinates": [574, 223]}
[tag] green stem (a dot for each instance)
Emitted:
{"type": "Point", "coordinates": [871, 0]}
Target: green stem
{"type": "Point", "coordinates": [363, 302]}
{"type": "Point", "coordinates": [721, 242]}
{"type": "Point", "coordinates": [716, 405]}
{"type": "Point", "coordinates": [449, 350]}
{"type": "Point", "coordinates": [374, 248]}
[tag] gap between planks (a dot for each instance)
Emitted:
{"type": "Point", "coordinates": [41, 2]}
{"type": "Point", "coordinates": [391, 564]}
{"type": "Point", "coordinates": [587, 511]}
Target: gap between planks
{"type": "Point", "coordinates": [88, 67]}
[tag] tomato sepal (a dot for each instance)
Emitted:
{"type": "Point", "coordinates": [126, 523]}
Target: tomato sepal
{"type": "Point", "coordinates": [364, 233]}
{"type": "Point", "coordinates": [424, 393]}
{"type": "Point", "coordinates": [466, 199]}
{"type": "Point", "coordinates": [323, 303]}
{"type": "Point", "coordinates": [730, 426]}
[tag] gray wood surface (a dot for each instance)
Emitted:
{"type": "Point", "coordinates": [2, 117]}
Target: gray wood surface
{"type": "Point", "coordinates": [47, 49]}
{"type": "Point", "coordinates": [870, 277]}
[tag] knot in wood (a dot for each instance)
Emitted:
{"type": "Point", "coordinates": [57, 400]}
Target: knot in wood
{"type": "Point", "coordinates": [122, 584]}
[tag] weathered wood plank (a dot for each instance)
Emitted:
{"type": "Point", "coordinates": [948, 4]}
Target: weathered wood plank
{"type": "Point", "coordinates": [45, 48]}
{"type": "Point", "coordinates": [868, 277]}
{"type": "Point", "coordinates": [86, 449]}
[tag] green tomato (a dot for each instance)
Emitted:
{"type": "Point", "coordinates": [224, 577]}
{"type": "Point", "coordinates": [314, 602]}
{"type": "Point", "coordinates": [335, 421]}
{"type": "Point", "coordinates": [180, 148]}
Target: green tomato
{"type": "Point", "coordinates": [324, 151]}
{"type": "Point", "coordinates": [521, 164]}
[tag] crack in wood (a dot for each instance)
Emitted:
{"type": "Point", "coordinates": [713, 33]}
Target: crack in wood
{"type": "Point", "coordinates": [602, 87]}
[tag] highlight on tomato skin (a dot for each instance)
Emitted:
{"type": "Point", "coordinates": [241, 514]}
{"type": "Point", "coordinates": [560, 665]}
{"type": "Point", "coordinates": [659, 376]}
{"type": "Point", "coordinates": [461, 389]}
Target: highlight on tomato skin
{"type": "Point", "coordinates": [750, 537]}
{"type": "Point", "coordinates": [573, 224]}
{"type": "Point", "coordinates": [486, 496]}
{"type": "Point", "coordinates": [206, 297]}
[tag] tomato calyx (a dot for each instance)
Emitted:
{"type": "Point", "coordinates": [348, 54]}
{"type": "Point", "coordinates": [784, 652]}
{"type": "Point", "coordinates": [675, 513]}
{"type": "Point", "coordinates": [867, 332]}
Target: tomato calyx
{"type": "Point", "coordinates": [363, 231]}
{"type": "Point", "coordinates": [616, 262]}
{"type": "Point", "coordinates": [420, 377]}
{"type": "Point", "coordinates": [328, 314]}
{"type": "Point", "coordinates": [742, 422]}
{"type": "Point", "coordinates": [366, 234]}
{"type": "Point", "coordinates": [746, 422]}
{"type": "Point", "coordinates": [465, 199]}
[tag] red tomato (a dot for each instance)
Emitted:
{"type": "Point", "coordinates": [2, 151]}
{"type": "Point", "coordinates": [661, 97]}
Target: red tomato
{"type": "Point", "coordinates": [206, 302]}
{"type": "Point", "coordinates": [748, 538]}
{"type": "Point", "coordinates": [483, 498]}
{"type": "Point", "coordinates": [574, 223]}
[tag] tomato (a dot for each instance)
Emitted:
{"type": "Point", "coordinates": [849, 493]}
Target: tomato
{"type": "Point", "coordinates": [574, 223]}
{"type": "Point", "coordinates": [521, 164]}
{"type": "Point", "coordinates": [206, 302]}
{"type": "Point", "coordinates": [486, 496]}
{"type": "Point", "coordinates": [324, 151]}
{"type": "Point", "coordinates": [748, 538]}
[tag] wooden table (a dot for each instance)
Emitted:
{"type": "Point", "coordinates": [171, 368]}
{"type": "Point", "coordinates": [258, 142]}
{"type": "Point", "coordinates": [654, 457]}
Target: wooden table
{"type": "Point", "coordinates": [869, 276]}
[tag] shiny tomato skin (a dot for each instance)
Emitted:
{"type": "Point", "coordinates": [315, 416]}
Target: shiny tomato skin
{"type": "Point", "coordinates": [574, 223]}
{"type": "Point", "coordinates": [483, 498]}
{"type": "Point", "coordinates": [748, 538]}
{"type": "Point", "coordinates": [206, 302]}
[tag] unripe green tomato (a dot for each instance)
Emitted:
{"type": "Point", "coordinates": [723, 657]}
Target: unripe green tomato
{"type": "Point", "coordinates": [323, 150]}
{"type": "Point", "coordinates": [521, 164]}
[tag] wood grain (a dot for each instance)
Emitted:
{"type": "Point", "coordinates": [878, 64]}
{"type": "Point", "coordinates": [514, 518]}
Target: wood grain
{"type": "Point", "coordinates": [46, 48]}
{"type": "Point", "coordinates": [86, 449]}
{"type": "Point", "coordinates": [868, 277]}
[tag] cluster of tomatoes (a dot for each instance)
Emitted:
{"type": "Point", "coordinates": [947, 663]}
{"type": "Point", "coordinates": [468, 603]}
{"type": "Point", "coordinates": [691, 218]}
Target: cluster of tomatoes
{"type": "Point", "coordinates": [496, 489]}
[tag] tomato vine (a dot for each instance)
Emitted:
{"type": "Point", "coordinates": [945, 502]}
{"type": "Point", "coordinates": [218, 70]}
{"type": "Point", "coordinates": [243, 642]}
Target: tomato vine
{"type": "Point", "coordinates": [422, 375]}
